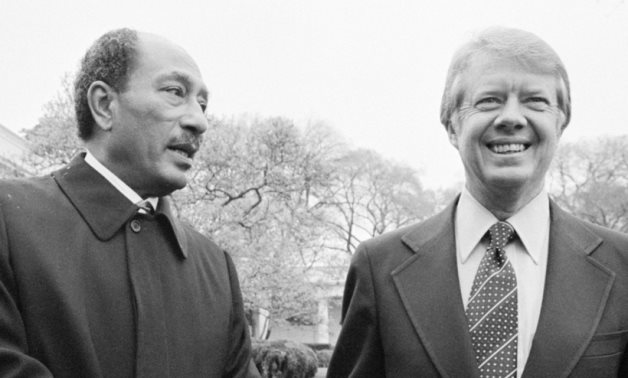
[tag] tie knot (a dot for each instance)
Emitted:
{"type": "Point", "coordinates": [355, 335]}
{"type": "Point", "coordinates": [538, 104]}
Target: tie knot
{"type": "Point", "coordinates": [501, 233]}
{"type": "Point", "coordinates": [145, 207]}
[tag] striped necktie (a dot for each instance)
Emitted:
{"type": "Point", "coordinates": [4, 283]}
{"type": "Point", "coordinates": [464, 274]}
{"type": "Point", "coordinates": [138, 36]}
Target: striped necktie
{"type": "Point", "coordinates": [492, 308]}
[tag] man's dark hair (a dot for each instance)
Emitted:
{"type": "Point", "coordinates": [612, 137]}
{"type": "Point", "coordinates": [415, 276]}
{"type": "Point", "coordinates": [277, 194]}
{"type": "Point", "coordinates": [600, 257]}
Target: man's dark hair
{"type": "Point", "coordinates": [110, 60]}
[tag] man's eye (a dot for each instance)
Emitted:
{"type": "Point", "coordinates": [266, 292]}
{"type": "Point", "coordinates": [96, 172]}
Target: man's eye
{"type": "Point", "coordinates": [488, 102]}
{"type": "Point", "coordinates": [537, 99]}
{"type": "Point", "coordinates": [537, 102]}
{"type": "Point", "coordinates": [177, 91]}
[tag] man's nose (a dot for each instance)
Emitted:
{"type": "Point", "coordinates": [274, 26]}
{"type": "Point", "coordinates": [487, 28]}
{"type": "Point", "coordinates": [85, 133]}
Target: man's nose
{"type": "Point", "coordinates": [511, 115]}
{"type": "Point", "coordinates": [195, 119]}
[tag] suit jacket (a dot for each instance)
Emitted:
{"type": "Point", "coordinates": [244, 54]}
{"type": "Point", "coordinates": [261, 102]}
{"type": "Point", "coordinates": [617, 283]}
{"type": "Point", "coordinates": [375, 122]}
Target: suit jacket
{"type": "Point", "coordinates": [91, 288]}
{"type": "Point", "coordinates": [403, 314]}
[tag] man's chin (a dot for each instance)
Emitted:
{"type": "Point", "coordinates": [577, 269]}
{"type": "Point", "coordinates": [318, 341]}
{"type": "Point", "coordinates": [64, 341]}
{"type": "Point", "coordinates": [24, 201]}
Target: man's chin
{"type": "Point", "coordinates": [177, 183]}
{"type": "Point", "coordinates": [167, 184]}
{"type": "Point", "coordinates": [515, 182]}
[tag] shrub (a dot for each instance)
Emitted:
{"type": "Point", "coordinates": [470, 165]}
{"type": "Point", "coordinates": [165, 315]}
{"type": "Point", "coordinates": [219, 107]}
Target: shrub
{"type": "Point", "coordinates": [284, 359]}
{"type": "Point", "coordinates": [319, 346]}
{"type": "Point", "coordinates": [323, 356]}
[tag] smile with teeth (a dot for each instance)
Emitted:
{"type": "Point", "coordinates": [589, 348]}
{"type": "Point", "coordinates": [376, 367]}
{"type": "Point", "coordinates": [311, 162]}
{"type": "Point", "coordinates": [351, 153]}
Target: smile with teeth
{"type": "Point", "coordinates": [510, 148]}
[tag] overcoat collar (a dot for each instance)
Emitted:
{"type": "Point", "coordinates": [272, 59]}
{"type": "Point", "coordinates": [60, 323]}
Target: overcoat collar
{"type": "Point", "coordinates": [576, 291]}
{"type": "Point", "coordinates": [102, 206]}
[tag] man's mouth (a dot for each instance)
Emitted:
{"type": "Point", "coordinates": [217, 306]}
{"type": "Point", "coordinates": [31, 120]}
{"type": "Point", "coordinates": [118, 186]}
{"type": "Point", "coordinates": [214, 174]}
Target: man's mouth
{"type": "Point", "coordinates": [181, 152]}
{"type": "Point", "coordinates": [187, 150]}
{"type": "Point", "coordinates": [508, 148]}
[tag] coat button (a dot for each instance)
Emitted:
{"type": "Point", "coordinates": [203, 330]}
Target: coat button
{"type": "Point", "coordinates": [136, 226]}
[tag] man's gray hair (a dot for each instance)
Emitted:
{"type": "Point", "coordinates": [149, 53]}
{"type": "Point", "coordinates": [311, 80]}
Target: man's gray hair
{"type": "Point", "coordinates": [523, 47]}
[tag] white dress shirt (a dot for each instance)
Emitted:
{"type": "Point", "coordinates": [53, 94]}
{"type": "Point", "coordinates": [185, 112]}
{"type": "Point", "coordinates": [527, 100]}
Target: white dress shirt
{"type": "Point", "coordinates": [527, 253]}
{"type": "Point", "coordinates": [116, 182]}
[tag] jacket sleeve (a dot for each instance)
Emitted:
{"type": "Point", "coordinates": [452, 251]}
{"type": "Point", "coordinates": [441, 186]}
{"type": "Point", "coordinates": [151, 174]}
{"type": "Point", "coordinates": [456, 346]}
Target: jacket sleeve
{"type": "Point", "coordinates": [358, 351]}
{"type": "Point", "coordinates": [14, 358]}
{"type": "Point", "coordinates": [240, 363]}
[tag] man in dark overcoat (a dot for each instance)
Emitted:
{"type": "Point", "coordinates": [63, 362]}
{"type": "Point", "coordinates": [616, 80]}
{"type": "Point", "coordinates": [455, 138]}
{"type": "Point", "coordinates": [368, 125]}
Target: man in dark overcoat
{"type": "Point", "coordinates": [98, 278]}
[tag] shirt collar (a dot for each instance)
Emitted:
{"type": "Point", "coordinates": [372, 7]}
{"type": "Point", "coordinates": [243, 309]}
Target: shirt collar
{"type": "Point", "coordinates": [532, 225]}
{"type": "Point", "coordinates": [116, 182]}
{"type": "Point", "coordinates": [473, 220]}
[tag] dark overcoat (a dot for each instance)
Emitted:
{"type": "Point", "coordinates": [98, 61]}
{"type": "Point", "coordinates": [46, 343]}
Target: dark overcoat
{"type": "Point", "coordinates": [91, 288]}
{"type": "Point", "coordinates": [404, 316]}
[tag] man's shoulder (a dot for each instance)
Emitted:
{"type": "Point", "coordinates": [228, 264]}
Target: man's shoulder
{"type": "Point", "coordinates": [200, 243]}
{"type": "Point", "coordinates": [605, 233]}
{"type": "Point", "coordinates": [195, 235]}
{"type": "Point", "coordinates": [24, 182]}
{"type": "Point", "coordinates": [608, 235]}
{"type": "Point", "coordinates": [392, 238]}
{"type": "Point", "coordinates": [406, 240]}
{"type": "Point", "coordinates": [25, 189]}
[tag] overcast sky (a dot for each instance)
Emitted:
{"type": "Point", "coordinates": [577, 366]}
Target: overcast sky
{"type": "Point", "coordinates": [372, 70]}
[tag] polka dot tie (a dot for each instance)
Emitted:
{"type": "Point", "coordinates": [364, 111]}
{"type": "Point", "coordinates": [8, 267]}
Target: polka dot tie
{"type": "Point", "coordinates": [492, 308]}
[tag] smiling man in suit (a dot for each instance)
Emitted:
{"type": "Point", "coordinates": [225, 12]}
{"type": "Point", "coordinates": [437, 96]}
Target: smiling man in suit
{"type": "Point", "coordinates": [98, 278]}
{"type": "Point", "coordinates": [502, 283]}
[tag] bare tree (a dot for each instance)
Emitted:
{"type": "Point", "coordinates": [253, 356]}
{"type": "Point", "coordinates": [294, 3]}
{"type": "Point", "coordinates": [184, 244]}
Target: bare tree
{"type": "Point", "coordinates": [54, 139]}
{"type": "Point", "coordinates": [590, 179]}
{"type": "Point", "coordinates": [254, 190]}
{"type": "Point", "coordinates": [371, 195]}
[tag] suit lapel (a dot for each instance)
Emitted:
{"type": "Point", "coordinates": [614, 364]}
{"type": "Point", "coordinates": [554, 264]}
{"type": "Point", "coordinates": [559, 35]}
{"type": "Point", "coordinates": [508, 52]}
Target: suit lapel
{"type": "Point", "coordinates": [576, 290]}
{"type": "Point", "coordinates": [428, 285]}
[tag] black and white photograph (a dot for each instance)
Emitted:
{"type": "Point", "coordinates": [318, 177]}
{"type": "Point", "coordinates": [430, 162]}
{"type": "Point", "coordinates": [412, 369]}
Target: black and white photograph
{"type": "Point", "coordinates": [307, 189]}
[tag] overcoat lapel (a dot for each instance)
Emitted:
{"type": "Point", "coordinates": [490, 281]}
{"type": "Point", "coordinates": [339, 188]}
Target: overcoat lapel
{"type": "Point", "coordinates": [576, 290]}
{"type": "Point", "coordinates": [100, 204]}
{"type": "Point", "coordinates": [103, 207]}
{"type": "Point", "coordinates": [428, 285]}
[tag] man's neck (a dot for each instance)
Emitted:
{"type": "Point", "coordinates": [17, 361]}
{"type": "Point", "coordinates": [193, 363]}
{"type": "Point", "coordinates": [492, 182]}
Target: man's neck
{"type": "Point", "coordinates": [503, 203]}
{"type": "Point", "coordinates": [118, 183]}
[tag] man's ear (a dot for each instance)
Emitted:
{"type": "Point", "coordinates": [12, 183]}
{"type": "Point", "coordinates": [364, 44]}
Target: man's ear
{"type": "Point", "coordinates": [100, 97]}
{"type": "Point", "coordinates": [562, 119]}
{"type": "Point", "coordinates": [453, 136]}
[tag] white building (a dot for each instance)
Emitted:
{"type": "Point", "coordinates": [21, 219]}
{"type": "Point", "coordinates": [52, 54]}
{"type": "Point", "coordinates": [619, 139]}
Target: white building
{"type": "Point", "coordinates": [13, 152]}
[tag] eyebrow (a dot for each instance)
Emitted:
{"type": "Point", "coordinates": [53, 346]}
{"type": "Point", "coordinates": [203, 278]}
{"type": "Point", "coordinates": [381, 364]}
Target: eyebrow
{"type": "Point", "coordinates": [186, 80]}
